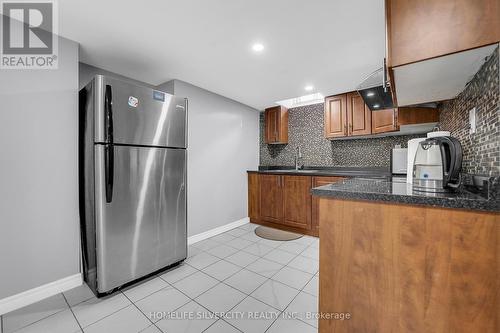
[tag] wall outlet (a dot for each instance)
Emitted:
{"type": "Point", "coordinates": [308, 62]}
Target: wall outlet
{"type": "Point", "coordinates": [472, 121]}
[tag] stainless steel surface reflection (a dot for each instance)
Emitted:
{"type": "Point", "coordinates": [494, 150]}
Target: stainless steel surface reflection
{"type": "Point", "coordinates": [132, 153]}
{"type": "Point", "coordinates": [151, 122]}
{"type": "Point", "coordinates": [144, 227]}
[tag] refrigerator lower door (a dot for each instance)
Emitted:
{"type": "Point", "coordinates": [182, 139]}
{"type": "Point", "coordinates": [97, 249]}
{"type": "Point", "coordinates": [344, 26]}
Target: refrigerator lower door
{"type": "Point", "coordinates": [140, 213]}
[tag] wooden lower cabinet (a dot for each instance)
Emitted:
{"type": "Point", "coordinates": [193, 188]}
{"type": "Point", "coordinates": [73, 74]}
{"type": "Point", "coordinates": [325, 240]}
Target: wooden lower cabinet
{"type": "Point", "coordinates": [253, 196]}
{"type": "Point", "coordinates": [270, 198]}
{"type": "Point", "coordinates": [285, 201]}
{"type": "Point", "coordinates": [405, 268]}
{"type": "Point", "coordinates": [319, 181]}
{"type": "Point", "coordinates": [297, 201]}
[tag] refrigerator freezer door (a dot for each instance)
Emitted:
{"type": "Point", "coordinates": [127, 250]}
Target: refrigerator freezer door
{"type": "Point", "coordinates": [137, 115]}
{"type": "Point", "coordinates": [143, 228]}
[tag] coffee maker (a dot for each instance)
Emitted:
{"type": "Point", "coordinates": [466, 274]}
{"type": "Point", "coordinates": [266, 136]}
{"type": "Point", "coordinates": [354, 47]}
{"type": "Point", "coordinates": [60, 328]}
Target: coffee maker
{"type": "Point", "coordinates": [437, 165]}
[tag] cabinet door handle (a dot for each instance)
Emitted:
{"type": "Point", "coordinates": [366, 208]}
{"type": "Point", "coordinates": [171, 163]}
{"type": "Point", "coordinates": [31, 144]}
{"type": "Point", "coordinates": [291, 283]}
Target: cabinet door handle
{"type": "Point", "coordinates": [350, 128]}
{"type": "Point", "coordinates": [345, 129]}
{"type": "Point", "coordinates": [276, 129]}
{"type": "Point", "coordinates": [384, 76]}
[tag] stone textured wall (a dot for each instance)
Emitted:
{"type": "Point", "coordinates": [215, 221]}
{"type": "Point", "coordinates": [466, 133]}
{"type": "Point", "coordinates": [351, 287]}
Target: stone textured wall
{"type": "Point", "coordinates": [305, 129]}
{"type": "Point", "coordinates": [481, 149]}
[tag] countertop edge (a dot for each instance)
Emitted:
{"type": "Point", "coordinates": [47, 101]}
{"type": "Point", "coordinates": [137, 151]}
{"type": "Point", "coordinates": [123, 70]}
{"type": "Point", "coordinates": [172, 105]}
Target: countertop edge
{"type": "Point", "coordinates": [489, 206]}
{"type": "Point", "coordinates": [325, 173]}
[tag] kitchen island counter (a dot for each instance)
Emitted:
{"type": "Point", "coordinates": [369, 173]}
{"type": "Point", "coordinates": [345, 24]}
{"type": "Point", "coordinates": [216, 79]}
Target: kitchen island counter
{"type": "Point", "coordinates": [399, 192]}
{"type": "Point", "coordinates": [400, 261]}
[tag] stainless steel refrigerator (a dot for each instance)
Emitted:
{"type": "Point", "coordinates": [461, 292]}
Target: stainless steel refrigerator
{"type": "Point", "coordinates": [132, 153]}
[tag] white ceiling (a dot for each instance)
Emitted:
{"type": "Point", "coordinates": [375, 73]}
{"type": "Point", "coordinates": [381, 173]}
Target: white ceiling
{"type": "Point", "coordinates": [330, 44]}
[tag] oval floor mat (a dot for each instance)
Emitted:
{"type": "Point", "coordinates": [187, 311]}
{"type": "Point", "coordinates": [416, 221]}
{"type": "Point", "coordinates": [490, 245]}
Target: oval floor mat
{"type": "Point", "coordinates": [276, 234]}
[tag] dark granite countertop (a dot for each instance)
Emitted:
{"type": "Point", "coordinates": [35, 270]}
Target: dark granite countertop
{"type": "Point", "coordinates": [399, 192]}
{"type": "Point", "coordinates": [371, 172]}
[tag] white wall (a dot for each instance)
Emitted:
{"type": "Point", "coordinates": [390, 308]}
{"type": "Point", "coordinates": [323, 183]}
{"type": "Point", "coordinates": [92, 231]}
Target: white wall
{"type": "Point", "coordinates": [223, 143]}
{"type": "Point", "coordinates": [87, 72]}
{"type": "Point", "coordinates": [39, 220]}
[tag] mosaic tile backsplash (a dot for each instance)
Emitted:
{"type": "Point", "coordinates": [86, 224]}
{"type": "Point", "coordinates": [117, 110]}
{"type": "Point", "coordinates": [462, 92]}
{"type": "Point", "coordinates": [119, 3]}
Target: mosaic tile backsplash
{"type": "Point", "coordinates": [481, 149]}
{"type": "Point", "coordinates": [305, 129]}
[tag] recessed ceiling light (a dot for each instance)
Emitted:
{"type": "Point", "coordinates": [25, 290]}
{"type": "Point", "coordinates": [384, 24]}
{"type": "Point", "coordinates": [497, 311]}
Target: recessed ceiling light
{"type": "Point", "coordinates": [376, 105]}
{"type": "Point", "coordinates": [258, 47]}
{"type": "Point", "coordinates": [370, 94]}
{"type": "Point", "coordinates": [308, 88]}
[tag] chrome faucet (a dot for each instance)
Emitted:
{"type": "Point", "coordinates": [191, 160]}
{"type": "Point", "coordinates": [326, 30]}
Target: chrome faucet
{"type": "Point", "coordinates": [298, 156]}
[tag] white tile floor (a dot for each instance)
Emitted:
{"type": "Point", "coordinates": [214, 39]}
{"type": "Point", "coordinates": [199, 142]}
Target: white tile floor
{"type": "Point", "coordinates": [225, 280]}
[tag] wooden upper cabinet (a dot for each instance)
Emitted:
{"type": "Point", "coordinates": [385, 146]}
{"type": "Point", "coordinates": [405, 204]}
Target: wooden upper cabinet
{"type": "Point", "coordinates": [346, 115]}
{"type": "Point", "coordinates": [417, 115]}
{"type": "Point", "coordinates": [270, 122]}
{"type": "Point", "coordinates": [276, 125]}
{"type": "Point", "coordinates": [336, 116]}
{"type": "Point", "coordinates": [359, 118]}
{"type": "Point", "coordinates": [271, 198]}
{"type": "Point", "coordinates": [385, 121]}
{"type": "Point", "coordinates": [297, 201]}
{"type": "Point", "coordinates": [420, 30]}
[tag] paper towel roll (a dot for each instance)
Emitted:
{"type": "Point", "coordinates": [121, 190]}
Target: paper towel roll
{"type": "Point", "coordinates": [412, 150]}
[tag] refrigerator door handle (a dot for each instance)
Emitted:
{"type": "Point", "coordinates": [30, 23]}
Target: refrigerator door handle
{"type": "Point", "coordinates": [109, 166]}
{"type": "Point", "coordinates": [108, 109]}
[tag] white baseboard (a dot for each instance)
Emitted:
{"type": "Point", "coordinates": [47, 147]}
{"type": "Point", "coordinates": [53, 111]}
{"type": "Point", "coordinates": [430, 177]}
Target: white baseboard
{"type": "Point", "coordinates": [219, 230]}
{"type": "Point", "coordinates": [34, 295]}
